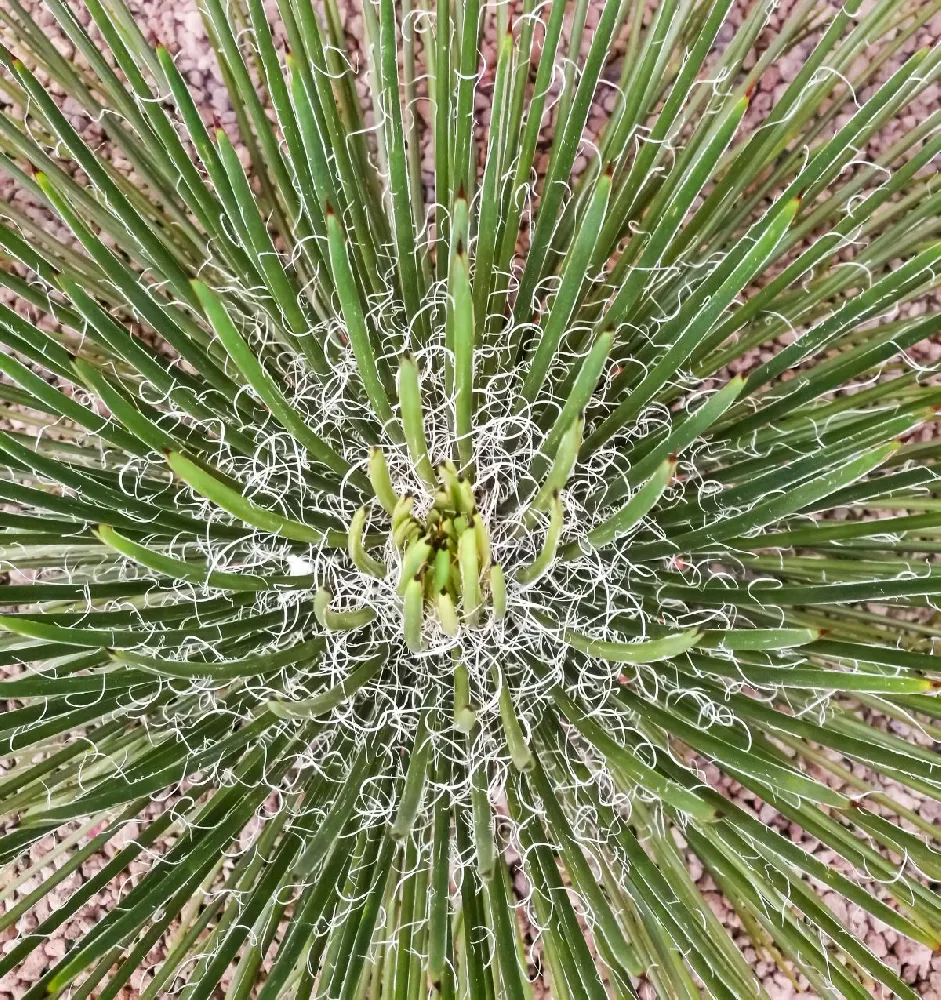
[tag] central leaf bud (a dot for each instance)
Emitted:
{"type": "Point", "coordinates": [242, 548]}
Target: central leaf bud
{"type": "Point", "coordinates": [445, 560]}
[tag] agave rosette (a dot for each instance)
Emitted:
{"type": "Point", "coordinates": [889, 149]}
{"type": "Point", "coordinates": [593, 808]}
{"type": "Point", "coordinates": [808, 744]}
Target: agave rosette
{"type": "Point", "coordinates": [418, 572]}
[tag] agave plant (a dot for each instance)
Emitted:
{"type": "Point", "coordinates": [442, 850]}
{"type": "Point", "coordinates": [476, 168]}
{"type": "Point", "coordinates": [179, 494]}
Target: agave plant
{"type": "Point", "coordinates": [393, 557]}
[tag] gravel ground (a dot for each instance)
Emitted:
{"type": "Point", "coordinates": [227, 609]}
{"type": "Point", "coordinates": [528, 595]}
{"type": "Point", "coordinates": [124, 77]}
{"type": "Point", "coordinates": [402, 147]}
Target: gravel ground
{"type": "Point", "coordinates": [178, 25]}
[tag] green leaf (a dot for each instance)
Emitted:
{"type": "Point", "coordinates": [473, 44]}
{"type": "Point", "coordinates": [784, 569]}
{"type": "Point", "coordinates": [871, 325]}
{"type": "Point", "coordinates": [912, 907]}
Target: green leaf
{"type": "Point", "coordinates": [263, 384]}
{"type": "Point", "coordinates": [761, 768]}
{"type": "Point", "coordinates": [410, 275]}
{"type": "Point", "coordinates": [206, 484]}
{"type": "Point", "coordinates": [698, 316]}
{"type": "Point", "coordinates": [306, 653]}
{"type": "Point", "coordinates": [773, 509]}
{"type": "Point", "coordinates": [117, 639]}
{"type": "Point", "coordinates": [321, 704]}
{"type": "Point", "coordinates": [463, 332]}
{"type": "Point", "coordinates": [410, 405]}
{"type": "Point", "coordinates": [375, 379]}
{"type": "Point", "coordinates": [633, 770]}
{"type": "Point", "coordinates": [624, 520]}
{"type": "Point", "coordinates": [645, 651]}
{"type": "Point", "coordinates": [573, 279]}
{"type": "Point", "coordinates": [757, 639]}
